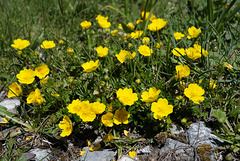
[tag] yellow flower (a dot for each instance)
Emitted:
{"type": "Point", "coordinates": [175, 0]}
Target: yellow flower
{"type": "Point", "coordinates": [36, 53]}
{"type": "Point", "coordinates": [226, 65]}
{"type": "Point", "coordinates": [126, 96]}
{"type": "Point", "coordinates": [145, 40]}
{"type": "Point", "coordinates": [75, 106]}
{"type": "Point", "coordinates": [84, 109]}
{"type": "Point", "coordinates": [70, 79]}
{"type": "Point", "coordinates": [130, 25]}
{"type": "Point", "coordinates": [226, 5]}
{"type": "Point", "coordinates": [161, 108]}
{"type": "Point", "coordinates": [107, 30]}
{"type": "Point", "coordinates": [48, 44]}
{"type": "Point", "coordinates": [200, 50]}
{"type": "Point", "coordinates": [120, 26]}
{"type": "Point", "coordinates": [193, 32]}
{"type": "Point", "coordinates": [110, 107]}
{"type": "Point", "coordinates": [85, 24]}
{"type": "Point", "coordinates": [194, 93]}
{"type": "Point", "coordinates": [138, 21]}
{"type": "Point", "coordinates": [20, 44]}
{"type": "Point", "coordinates": [126, 133]}
{"type": "Point", "coordinates": [61, 42]}
{"type": "Point", "coordinates": [136, 34]}
{"type": "Point", "coordinates": [90, 66]}
{"type": "Point", "coordinates": [26, 76]}
{"type": "Point", "coordinates": [19, 52]}
{"type": "Point", "coordinates": [107, 119]}
{"type": "Point", "coordinates": [180, 50]}
{"type": "Point", "coordinates": [88, 116]}
{"type": "Point", "coordinates": [98, 107]}
{"type": "Point", "coordinates": [212, 84]}
{"type": "Point", "coordinates": [179, 97]}
{"type": "Point", "coordinates": [178, 35]}
{"type": "Point", "coordinates": [35, 97]}
{"type": "Point", "coordinates": [102, 51]}
{"type": "Point", "coordinates": [192, 53]}
{"type": "Point", "coordinates": [121, 116]}
{"type": "Point", "coordinates": [102, 21]}
{"type": "Point", "coordinates": [138, 81]}
{"type": "Point", "coordinates": [150, 96]}
{"type": "Point", "coordinates": [157, 45]}
{"type": "Point", "coordinates": [114, 32]}
{"type": "Point", "coordinates": [42, 71]}
{"type": "Point", "coordinates": [131, 56]}
{"type": "Point", "coordinates": [70, 50]}
{"type": "Point", "coordinates": [132, 154]}
{"type": "Point", "coordinates": [100, 17]}
{"type": "Point", "coordinates": [182, 71]}
{"type": "Point", "coordinates": [145, 50]}
{"type": "Point", "coordinates": [95, 147]}
{"type": "Point", "coordinates": [86, 112]}
{"type": "Point", "coordinates": [44, 80]}
{"type": "Point", "coordinates": [152, 17]}
{"type": "Point", "coordinates": [66, 126]}
{"type": "Point", "coordinates": [14, 90]}
{"type": "Point", "coordinates": [157, 24]}
{"type": "Point", "coordinates": [123, 55]}
{"type": "Point", "coordinates": [109, 137]}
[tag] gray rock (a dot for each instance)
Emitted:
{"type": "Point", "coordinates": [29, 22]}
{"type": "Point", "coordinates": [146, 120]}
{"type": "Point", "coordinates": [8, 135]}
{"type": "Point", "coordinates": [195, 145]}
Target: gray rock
{"type": "Point", "coordinates": [11, 104]}
{"type": "Point", "coordinates": [41, 154]}
{"type": "Point", "coordinates": [176, 129]}
{"type": "Point", "coordinates": [144, 150]}
{"type": "Point", "coordinates": [99, 155]}
{"type": "Point", "coordinates": [2, 93]}
{"type": "Point", "coordinates": [176, 150]}
{"type": "Point", "coordinates": [198, 134]}
{"type": "Point", "coordinates": [127, 158]}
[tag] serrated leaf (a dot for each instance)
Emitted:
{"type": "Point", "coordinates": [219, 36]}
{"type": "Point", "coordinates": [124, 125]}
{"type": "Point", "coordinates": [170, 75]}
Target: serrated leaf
{"type": "Point", "coordinates": [220, 115]}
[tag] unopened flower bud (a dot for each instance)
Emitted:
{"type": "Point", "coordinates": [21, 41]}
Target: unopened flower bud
{"type": "Point", "coordinates": [184, 121]}
{"type": "Point", "coordinates": [138, 81]}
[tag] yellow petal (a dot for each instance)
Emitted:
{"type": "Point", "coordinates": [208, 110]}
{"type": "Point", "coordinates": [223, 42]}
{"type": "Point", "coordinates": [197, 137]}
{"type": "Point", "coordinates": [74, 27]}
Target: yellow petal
{"type": "Point", "coordinates": [95, 148]}
{"type": "Point", "coordinates": [132, 154]}
{"type": "Point", "coordinates": [125, 132]}
{"type": "Point", "coordinates": [81, 153]}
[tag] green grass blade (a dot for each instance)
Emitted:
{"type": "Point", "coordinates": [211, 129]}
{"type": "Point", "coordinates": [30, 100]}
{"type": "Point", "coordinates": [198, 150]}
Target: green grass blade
{"type": "Point", "coordinates": [210, 10]}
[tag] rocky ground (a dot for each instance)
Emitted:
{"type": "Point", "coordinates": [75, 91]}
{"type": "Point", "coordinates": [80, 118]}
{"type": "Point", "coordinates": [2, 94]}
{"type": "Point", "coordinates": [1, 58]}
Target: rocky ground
{"type": "Point", "coordinates": [195, 143]}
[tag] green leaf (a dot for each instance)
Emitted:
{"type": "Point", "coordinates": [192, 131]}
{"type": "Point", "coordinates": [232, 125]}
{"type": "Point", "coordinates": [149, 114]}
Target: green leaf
{"type": "Point", "coordinates": [237, 137]}
{"type": "Point", "coordinates": [9, 115]}
{"type": "Point", "coordinates": [220, 115]}
{"type": "Point", "coordinates": [125, 28]}
{"type": "Point", "coordinates": [210, 10]}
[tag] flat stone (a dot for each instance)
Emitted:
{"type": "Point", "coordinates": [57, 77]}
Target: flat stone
{"type": "Point", "coordinates": [176, 129]}
{"type": "Point", "coordinates": [176, 150]}
{"type": "Point", "coordinates": [41, 154]}
{"type": "Point", "coordinates": [144, 150]}
{"type": "Point", "coordinates": [99, 155]}
{"type": "Point", "coordinates": [11, 104]}
{"type": "Point", "coordinates": [198, 134]}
